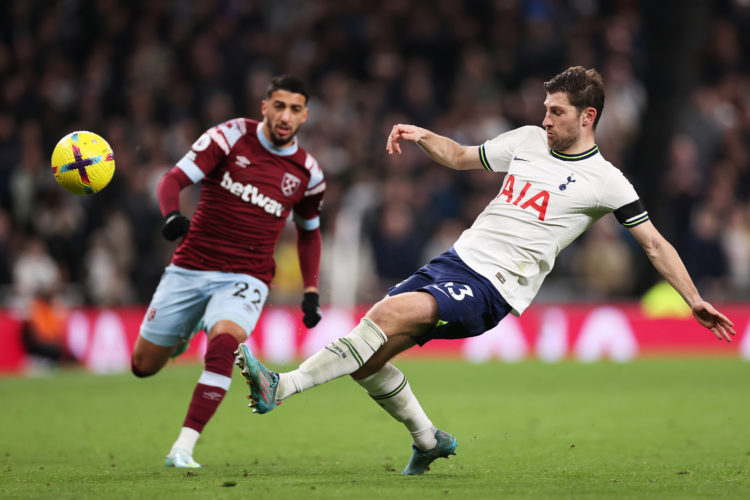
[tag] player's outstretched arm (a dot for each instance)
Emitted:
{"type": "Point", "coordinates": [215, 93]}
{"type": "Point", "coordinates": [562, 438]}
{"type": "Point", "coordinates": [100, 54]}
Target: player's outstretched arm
{"type": "Point", "coordinates": [712, 319]}
{"type": "Point", "coordinates": [443, 150]}
{"type": "Point", "coordinates": [666, 260]}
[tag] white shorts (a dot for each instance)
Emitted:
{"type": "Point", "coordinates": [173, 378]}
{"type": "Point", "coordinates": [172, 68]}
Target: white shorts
{"type": "Point", "coordinates": [184, 296]}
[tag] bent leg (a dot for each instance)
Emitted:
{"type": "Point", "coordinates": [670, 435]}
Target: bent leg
{"type": "Point", "coordinates": [175, 308]}
{"type": "Point", "coordinates": [385, 383]}
{"type": "Point", "coordinates": [388, 387]}
{"type": "Point", "coordinates": [148, 358]}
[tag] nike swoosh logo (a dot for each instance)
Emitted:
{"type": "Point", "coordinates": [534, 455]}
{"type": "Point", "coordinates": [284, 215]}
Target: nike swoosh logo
{"type": "Point", "coordinates": [519, 158]}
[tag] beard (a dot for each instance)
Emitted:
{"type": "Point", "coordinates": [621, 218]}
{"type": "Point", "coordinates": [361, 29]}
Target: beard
{"type": "Point", "coordinates": [562, 143]}
{"type": "Point", "coordinates": [282, 141]}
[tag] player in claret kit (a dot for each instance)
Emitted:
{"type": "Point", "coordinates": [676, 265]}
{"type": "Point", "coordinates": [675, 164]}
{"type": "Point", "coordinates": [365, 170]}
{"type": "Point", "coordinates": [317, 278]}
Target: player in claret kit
{"type": "Point", "coordinates": [556, 185]}
{"type": "Point", "coordinates": [253, 175]}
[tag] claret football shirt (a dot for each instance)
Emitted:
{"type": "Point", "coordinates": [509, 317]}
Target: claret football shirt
{"type": "Point", "coordinates": [249, 188]}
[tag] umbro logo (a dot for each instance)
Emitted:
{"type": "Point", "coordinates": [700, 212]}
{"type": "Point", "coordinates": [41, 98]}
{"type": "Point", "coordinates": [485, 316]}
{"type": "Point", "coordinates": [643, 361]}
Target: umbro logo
{"type": "Point", "coordinates": [563, 187]}
{"type": "Point", "coordinates": [242, 162]}
{"type": "Point", "coordinates": [213, 396]}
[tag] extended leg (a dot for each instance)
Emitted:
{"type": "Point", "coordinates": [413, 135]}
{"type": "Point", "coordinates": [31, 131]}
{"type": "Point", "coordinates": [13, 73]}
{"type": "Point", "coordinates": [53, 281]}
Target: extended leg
{"type": "Point", "coordinates": [397, 317]}
{"type": "Point", "coordinates": [148, 358]}
{"type": "Point", "coordinates": [392, 318]}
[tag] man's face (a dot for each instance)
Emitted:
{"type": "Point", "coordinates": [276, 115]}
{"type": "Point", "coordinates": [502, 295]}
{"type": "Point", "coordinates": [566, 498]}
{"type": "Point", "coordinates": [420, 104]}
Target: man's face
{"type": "Point", "coordinates": [283, 113]}
{"type": "Point", "coordinates": [562, 122]}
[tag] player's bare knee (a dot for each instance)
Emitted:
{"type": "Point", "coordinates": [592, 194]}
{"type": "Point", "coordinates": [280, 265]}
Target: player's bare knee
{"type": "Point", "coordinates": [382, 312]}
{"type": "Point", "coordinates": [402, 314]}
{"type": "Point", "coordinates": [230, 327]}
{"type": "Point", "coordinates": [138, 370]}
{"type": "Point", "coordinates": [141, 366]}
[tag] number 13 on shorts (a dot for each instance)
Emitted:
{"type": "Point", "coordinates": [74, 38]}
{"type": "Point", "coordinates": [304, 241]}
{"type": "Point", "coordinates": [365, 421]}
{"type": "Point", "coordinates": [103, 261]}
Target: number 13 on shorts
{"type": "Point", "coordinates": [457, 291]}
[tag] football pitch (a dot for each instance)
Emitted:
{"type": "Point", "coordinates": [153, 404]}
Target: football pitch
{"type": "Point", "coordinates": [648, 429]}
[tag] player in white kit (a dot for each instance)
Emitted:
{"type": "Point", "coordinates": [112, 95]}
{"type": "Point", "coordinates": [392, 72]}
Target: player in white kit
{"type": "Point", "coordinates": [556, 185]}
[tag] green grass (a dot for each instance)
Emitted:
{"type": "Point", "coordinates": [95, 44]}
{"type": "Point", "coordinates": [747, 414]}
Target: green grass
{"type": "Point", "coordinates": [648, 429]}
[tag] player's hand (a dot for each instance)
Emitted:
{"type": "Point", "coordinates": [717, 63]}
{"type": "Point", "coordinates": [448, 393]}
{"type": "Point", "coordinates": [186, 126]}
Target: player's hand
{"type": "Point", "coordinates": [406, 132]}
{"type": "Point", "coordinates": [176, 225]}
{"type": "Point", "coordinates": [311, 308]}
{"type": "Point", "coordinates": [712, 319]}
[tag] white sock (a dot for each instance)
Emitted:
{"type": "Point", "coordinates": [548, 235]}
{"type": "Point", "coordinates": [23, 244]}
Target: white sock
{"type": "Point", "coordinates": [187, 439]}
{"type": "Point", "coordinates": [338, 358]}
{"type": "Point", "coordinates": [390, 389]}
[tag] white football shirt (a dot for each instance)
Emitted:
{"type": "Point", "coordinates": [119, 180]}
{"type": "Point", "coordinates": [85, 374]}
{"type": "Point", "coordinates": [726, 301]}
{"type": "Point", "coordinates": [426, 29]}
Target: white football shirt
{"type": "Point", "coordinates": [547, 200]}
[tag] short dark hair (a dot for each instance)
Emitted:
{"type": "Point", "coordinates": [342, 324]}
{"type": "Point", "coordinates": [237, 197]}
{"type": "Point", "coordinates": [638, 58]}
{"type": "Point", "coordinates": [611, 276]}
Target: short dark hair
{"type": "Point", "coordinates": [584, 87]}
{"type": "Point", "coordinates": [289, 83]}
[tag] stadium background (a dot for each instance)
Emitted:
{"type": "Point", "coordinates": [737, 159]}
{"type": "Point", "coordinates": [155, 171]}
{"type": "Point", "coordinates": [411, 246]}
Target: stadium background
{"type": "Point", "coordinates": [150, 76]}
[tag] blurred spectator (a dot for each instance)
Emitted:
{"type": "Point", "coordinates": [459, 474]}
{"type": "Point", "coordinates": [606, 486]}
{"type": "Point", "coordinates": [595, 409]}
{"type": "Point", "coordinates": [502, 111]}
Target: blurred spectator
{"type": "Point", "coordinates": [682, 186]}
{"type": "Point", "coordinates": [9, 154]}
{"type": "Point", "coordinates": [287, 282]}
{"type": "Point", "coordinates": [604, 261]}
{"type": "Point", "coordinates": [5, 250]}
{"type": "Point", "coordinates": [735, 242]}
{"type": "Point", "coordinates": [705, 258]}
{"type": "Point", "coordinates": [396, 243]}
{"type": "Point", "coordinates": [37, 282]}
{"type": "Point", "coordinates": [442, 239]}
{"type": "Point", "coordinates": [623, 107]}
{"type": "Point", "coordinates": [43, 331]}
{"type": "Point", "coordinates": [106, 282]}
{"type": "Point", "coordinates": [34, 270]}
{"type": "Point", "coordinates": [149, 76]}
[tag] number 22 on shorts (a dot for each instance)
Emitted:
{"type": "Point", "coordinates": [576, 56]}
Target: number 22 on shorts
{"type": "Point", "coordinates": [244, 291]}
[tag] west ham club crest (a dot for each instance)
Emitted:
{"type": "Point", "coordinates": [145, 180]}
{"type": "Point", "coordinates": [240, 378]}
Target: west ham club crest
{"type": "Point", "coordinates": [289, 184]}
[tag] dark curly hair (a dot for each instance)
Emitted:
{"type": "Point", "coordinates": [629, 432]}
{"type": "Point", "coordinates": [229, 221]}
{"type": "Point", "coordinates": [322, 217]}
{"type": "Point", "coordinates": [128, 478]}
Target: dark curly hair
{"type": "Point", "coordinates": [584, 87]}
{"type": "Point", "coordinates": [289, 83]}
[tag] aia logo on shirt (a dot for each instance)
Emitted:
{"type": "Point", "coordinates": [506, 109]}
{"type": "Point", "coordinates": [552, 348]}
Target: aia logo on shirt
{"type": "Point", "coordinates": [527, 198]}
{"type": "Point", "coordinates": [289, 184]}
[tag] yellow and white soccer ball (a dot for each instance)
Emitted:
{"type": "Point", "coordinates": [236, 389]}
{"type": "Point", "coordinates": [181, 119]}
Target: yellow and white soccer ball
{"type": "Point", "coordinates": [83, 162]}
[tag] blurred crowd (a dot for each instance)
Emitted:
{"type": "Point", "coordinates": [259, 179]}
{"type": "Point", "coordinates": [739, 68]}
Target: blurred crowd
{"type": "Point", "coordinates": [150, 76]}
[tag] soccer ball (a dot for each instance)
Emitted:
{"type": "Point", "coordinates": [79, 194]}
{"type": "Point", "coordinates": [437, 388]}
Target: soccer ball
{"type": "Point", "coordinates": [83, 162]}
